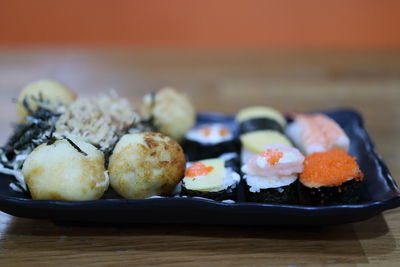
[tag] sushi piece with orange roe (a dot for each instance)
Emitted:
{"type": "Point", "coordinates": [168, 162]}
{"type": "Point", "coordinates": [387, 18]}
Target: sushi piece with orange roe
{"type": "Point", "coordinates": [209, 141]}
{"type": "Point", "coordinates": [271, 176]}
{"type": "Point", "coordinates": [331, 177]}
{"type": "Point", "coordinates": [210, 178]}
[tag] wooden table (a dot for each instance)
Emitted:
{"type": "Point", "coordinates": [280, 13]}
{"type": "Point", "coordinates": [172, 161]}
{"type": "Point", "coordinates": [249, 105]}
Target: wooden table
{"type": "Point", "coordinates": [223, 81]}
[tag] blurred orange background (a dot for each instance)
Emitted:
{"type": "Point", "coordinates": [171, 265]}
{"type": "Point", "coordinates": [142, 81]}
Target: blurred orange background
{"type": "Point", "coordinates": [272, 24]}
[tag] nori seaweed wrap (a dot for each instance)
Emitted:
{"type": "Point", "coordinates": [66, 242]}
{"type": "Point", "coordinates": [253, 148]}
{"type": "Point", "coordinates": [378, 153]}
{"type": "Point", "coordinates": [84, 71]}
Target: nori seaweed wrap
{"type": "Point", "coordinates": [209, 141]}
{"type": "Point", "coordinates": [260, 118]}
{"type": "Point", "coordinates": [258, 124]}
{"type": "Point", "coordinates": [346, 193]}
{"type": "Point", "coordinates": [287, 194]}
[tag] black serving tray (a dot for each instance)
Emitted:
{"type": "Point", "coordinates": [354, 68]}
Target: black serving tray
{"type": "Point", "coordinates": [380, 193]}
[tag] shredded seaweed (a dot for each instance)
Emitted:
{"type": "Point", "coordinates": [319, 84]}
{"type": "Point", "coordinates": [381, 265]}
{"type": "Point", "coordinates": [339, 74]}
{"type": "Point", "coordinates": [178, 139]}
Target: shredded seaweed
{"type": "Point", "coordinates": [37, 129]}
{"type": "Point", "coordinates": [39, 125]}
{"type": "Point", "coordinates": [76, 146]}
{"type": "Point", "coordinates": [26, 105]}
{"type": "Point", "coordinates": [51, 140]}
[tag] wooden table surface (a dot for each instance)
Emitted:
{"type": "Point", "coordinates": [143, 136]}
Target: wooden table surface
{"type": "Point", "coordinates": [223, 81]}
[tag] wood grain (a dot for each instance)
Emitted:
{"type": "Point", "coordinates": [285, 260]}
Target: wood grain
{"type": "Point", "coordinates": [368, 82]}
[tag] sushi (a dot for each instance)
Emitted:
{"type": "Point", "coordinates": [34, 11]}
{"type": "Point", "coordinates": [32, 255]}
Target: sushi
{"type": "Point", "coordinates": [258, 128]}
{"type": "Point", "coordinates": [209, 141]}
{"type": "Point", "coordinates": [210, 178]}
{"type": "Point", "coordinates": [260, 118]}
{"type": "Point", "coordinates": [256, 142]}
{"type": "Point", "coordinates": [316, 133]}
{"type": "Point", "coordinates": [271, 176]}
{"type": "Point", "coordinates": [331, 177]}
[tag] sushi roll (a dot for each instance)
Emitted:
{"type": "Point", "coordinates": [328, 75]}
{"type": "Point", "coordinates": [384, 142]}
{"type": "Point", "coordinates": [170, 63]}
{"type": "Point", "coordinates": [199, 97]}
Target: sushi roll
{"type": "Point", "coordinates": [209, 141]}
{"type": "Point", "coordinates": [331, 177]}
{"type": "Point", "coordinates": [260, 118]}
{"type": "Point", "coordinates": [258, 128]}
{"type": "Point", "coordinates": [210, 178]}
{"type": "Point", "coordinates": [316, 133]}
{"type": "Point", "coordinates": [271, 176]}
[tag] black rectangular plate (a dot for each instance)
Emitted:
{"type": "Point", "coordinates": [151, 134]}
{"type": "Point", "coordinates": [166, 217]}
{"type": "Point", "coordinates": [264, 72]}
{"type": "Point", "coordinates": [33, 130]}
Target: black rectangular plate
{"type": "Point", "coordinates": [379, 193]}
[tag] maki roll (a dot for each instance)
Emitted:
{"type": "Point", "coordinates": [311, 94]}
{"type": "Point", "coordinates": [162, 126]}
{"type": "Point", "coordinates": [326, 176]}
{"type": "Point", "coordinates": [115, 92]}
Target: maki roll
{"type": "Point", "coordinates": [258, 128]}
{"type": "Point", "coordinates": [331, 177]}
{"type": "Point", "coordinates": [271, 176]}
{"type": "Point", "coordinates": [316, 133]}
{"type": "Point", "coordinates": [209, 141]}
{"type": "Point", "coordinates": [210, 178]}
{"type": "Point", "coordinates": [260, 118]}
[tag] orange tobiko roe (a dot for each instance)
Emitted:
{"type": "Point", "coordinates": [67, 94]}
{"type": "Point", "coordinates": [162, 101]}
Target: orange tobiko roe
{"type": "Point", "coordinates": [330, 168]}
{"type": "Point", "coordinates": [223, 131]}
{"type": "Point", "coordinates": [198, 169]}
{"type": "Point", "coordinates": [206, 131]}
{"type": "Point", "coordinates": [273, 156]}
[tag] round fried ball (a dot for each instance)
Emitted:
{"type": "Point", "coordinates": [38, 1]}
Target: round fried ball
{"type": "Point", "coordinates": [146, 164]}
{"type": "Point", "coordinates": [173, 112]}
{"type": "Point", "coordinates": [60, 172]}
{"type": "Point", "coordinates": [48, 91]}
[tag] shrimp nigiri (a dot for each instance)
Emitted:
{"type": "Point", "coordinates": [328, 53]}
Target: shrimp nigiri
{"type": "Point", "coordinates": [316, 133]}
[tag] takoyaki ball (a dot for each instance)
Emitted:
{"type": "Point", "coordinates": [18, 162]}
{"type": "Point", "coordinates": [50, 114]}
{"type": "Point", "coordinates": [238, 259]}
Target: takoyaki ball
{"type": "Point", "coordinates": [146, 164]}
{"type": "Point", "coordinates": [172, 111]}
{"type": "Point", "coordinates": [70, 170]}
{"type": "Point", "coordinates": [47, 92]}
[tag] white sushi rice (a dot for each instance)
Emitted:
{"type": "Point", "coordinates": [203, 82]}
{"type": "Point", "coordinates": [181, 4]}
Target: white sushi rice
{"type": "Point", "coordinates": [246, 154]}
{"type": "Point", "coordinates": [214, 137]}
{"type": "Point", "coordinates": [231, 179]}
{"type": "Point", "coordinates": [228, 156]}
{"type": "Point", "coordinates": [256, 183]}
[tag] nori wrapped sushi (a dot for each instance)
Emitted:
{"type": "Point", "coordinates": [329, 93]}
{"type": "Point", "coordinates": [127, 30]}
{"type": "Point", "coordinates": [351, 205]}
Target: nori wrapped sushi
{"type": "Point", "coordinates": [258, 124]}
{"type": "Point", "coordinates": [209, 141]}
{"type": "Point", "coordinates": [210, 178]}
{"type": "Point", "coordinates": [330, 178]}
{"type": "Point", "coordinates": [260, 118]}
{"type": "Point", "coordinates": [271, 176]}
{"type": "Point", "coordinates": [258, 127]}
